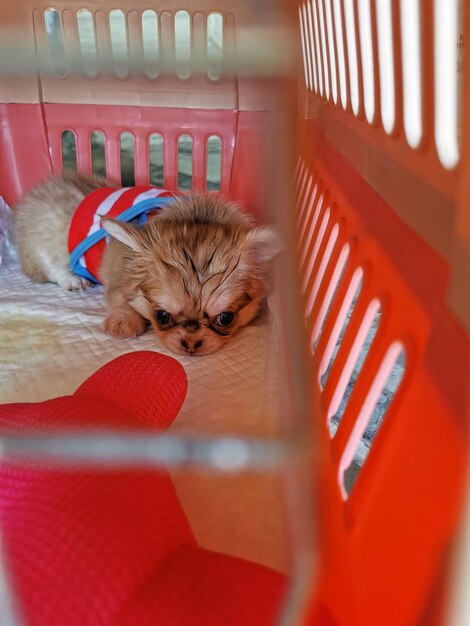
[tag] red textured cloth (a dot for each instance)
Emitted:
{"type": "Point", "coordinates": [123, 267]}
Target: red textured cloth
{"type": "Point", "coordinates": [136, 390]}
{"type": "Point", "coordinates": [113, 547]}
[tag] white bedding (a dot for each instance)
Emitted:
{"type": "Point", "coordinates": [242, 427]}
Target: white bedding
{"type": "Point", "coordinates": [51, 340]}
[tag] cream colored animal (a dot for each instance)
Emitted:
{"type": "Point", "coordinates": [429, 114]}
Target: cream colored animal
{"type": "Point", "coordinates": [197, 272]}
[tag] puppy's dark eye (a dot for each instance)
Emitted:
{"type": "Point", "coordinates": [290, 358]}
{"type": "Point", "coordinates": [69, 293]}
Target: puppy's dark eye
{"type": "Point", "coordinates": [225, 318]}
{"type": "Point", "coordinates": [162, 317]}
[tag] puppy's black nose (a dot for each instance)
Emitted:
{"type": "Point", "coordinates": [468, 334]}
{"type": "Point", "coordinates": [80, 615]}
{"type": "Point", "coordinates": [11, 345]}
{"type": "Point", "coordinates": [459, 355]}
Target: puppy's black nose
{"type": "Point", "coordinates": [190, 345]}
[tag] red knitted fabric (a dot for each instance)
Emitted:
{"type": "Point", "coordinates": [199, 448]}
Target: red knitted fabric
{"type": "Point", "coordinates": [106, 547]}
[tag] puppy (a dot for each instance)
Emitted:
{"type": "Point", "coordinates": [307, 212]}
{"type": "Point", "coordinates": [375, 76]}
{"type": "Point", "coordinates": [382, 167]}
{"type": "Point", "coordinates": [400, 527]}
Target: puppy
{"type": "Point", "coordinates": [41, 227]}
{"type": "Point", "coordinates": [197, 271]}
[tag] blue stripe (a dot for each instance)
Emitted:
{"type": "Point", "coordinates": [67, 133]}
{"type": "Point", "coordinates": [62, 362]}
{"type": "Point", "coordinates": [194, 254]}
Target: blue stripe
{"type": "Point", "coordinates": [139, 209]}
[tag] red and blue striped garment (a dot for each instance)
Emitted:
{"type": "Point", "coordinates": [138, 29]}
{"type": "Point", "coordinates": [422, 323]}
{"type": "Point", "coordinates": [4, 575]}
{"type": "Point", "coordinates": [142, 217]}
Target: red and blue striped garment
{"type": "Point", "coordinates": [87, 237]}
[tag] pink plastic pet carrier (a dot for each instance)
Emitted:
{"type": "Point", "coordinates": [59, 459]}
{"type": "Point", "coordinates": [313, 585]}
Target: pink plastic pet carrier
{"type": "Point", "coordinates": [342, 122]}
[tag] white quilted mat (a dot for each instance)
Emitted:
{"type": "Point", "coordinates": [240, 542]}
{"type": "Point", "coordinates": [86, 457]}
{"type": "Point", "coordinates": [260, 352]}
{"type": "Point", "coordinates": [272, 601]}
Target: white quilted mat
{"type": "Point", "coordinates": [51, 340]}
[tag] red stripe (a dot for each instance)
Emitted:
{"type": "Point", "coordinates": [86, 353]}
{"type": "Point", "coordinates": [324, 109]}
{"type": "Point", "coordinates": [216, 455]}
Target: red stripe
{"type": "Point", "coordinates": [94, 255]}
{"type": "Point", "coordinates": [83, 217]}
{"type": "Point", "coordinates": [125, 200]}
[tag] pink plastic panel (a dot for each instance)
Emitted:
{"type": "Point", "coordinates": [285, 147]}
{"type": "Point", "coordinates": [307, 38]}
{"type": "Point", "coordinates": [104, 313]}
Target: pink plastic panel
{"type": "Point", "coordinates": [65, 77]}
{"type": "Point", "coordinates": [31, 150]}
{"type": "Point", "coordinates": [141, 122]}
{"type": "Point", "coordinates": [24, 152]}
{"type": "Point", "coordinates": [135, 87]}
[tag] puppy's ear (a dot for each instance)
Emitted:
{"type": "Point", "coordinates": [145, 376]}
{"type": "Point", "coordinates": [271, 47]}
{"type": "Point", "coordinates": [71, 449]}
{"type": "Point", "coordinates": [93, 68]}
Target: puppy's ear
{"type": "Point", "coordinates": [141, 305]}
{"type": "Point", "coordinates": [127, 234]}
{"type": "Point", "coordinates": [264, 244]}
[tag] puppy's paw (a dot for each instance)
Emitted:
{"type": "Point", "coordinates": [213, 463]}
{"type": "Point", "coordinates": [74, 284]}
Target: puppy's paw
{"type": "Point", "coordinates": [71, 282]}
{"type": "Point", "coordinates": [77, 283]}
{"type": "Point", "coordinates": [124, 324]}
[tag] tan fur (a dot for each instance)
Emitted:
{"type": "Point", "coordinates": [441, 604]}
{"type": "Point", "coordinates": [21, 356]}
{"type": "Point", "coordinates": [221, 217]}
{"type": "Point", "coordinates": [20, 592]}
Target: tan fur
{"type": "Point", "coordinates": [200, 257]}
{"type": "Point", "coordinates": [41, 226]}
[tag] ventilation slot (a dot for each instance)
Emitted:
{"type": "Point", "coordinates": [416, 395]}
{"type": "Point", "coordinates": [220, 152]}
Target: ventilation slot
{"type": "Point", "coordinates": [117, 27]}
{"type": "Point", "coordinates": [412, 81]}
{"type": "Point", "coordinates": [321, 18]}
{"type": "Point", "coordinates": [215, 43]}
{"type": "Point", "coordinates": [340, 48]}
{"type": "Point", "coordinates": [367, 60]}
{"type": "Point", "coordinates": [55, 39]}
{"type": "Point", "coordinates": [308, 239]}
{"type": "Point", "coordinates": [340, 326]}
{"type": "Point", "coordinates": [322, 269]}
{"type": "Point", "coordinates": [214, 163]}
{"type": "Point", "coordinates": [69, 151]}
{"type": "Point", "coordinates": [446, 40]}
{"type": "Point", "coordinates": [352, 54]}
{"type": "Point", "coordinates": [127, 160]}
{"type": "Point", "coordinates": [98, 158]}
{"type": "Point", "coordinates": [304, 49]}
{"type": "Point", "coordinates": [315, 69]}
{"type": "Point", "coordinates": [86, 35]}
{"type": "Point", "coordinates": [331, 46]}
{"type": "Point", "coordinates": [307, 208]}
{"type": "Point", "coordinates": [150, 43]}
{"type": "Point", "coordinates": [353, 366]}
{"type": "Point", "coordinates": [330, 295]}
{"type": "Point", "coordinates": [185, 162]}
{"type": "Point", "coordinates": [183, 44]}
{"type": "Point", "coordinates": [301, 178]}
{"type": "Point", "coordinates": [376, 404]}
{"type": "Point", "coordinates": [387, 82]}
{"type": "Point", "coordinates": [317, 46]}
{"type": "Point", "coordinates": [316, 247]}
{"type": "Point", "coordinates": [156, 171]}
{"type": "Point", "coordinates": [310, 223]}
{"type": "Point", "coordinates": [308, 46]}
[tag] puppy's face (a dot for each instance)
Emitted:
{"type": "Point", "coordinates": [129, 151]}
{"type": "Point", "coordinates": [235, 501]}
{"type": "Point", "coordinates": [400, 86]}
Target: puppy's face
{"type": "Point", "coordinates": [197, 284]}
